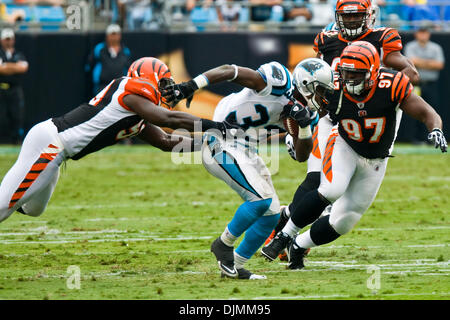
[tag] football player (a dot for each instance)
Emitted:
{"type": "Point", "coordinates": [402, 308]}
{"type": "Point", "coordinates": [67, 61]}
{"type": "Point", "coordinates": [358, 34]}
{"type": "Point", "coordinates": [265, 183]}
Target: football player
{"type": "Point", "coordinates": [127, 107]}
{"type": "Point", "coordinates": [357, 151]}
{"type": "Point", "coordinates": [354, 21]}
{"type": "Point", "coordinates": [269, 92]}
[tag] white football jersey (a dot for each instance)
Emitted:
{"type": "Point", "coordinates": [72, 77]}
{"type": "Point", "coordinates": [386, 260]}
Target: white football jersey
{"type": "Point", "coordinates": [105, 119]}
{"type": "Point", "coordinates": [258, 112]}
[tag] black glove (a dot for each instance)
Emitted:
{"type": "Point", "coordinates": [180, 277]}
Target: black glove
{"type": "Point", "coordinates": [176, 92]}
{"type": "Point", "coordinates": [304, 116]}
{"type": "Point", "coordinates": [437, 137]}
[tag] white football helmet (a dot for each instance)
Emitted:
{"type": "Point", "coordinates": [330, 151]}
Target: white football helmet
{"type": "Point", "coordinates": [314, 79]}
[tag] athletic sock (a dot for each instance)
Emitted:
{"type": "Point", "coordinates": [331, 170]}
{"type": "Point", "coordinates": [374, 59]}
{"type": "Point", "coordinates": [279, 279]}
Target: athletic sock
{"type": "Point", "coordinates": [309, 209]}
{"type": "Point", "coordinates": [311, 182]}
{"type": "Point", "coordinates": [228, 238]}
{"type": "Point", "coordinates": [256, 235]}
{"type": "Point", "coordinates": [246, 215]}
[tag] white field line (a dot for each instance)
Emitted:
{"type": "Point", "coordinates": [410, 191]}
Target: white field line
{"type": "Point", "coordinates": [74, 240]}
{"type": "Point", "coordinates": [284, 297]}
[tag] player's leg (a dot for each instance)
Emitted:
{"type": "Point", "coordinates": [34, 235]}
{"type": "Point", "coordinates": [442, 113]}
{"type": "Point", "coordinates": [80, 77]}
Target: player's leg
{"type": "Point", "coordinates": [257, 233]}
{"type": "Point", "coordinates": [312, 179]}
{"type": "Point", "coordinates": [33, 176]}
{"type": "Point", "coordinates": [339, 163]}
{"type": "Point", "coordinates": [245, 173]}
{"type": "Point", "coordinates": [346, 211]}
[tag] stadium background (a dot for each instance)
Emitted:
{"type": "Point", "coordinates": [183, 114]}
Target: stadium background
{"type": "Point", "coordinates": [57, 82]}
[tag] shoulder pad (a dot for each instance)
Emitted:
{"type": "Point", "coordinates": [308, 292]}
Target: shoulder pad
{"type": "Point", "coordinates": [277, 78]}
{"type": "Point", "coordinates": [144, 88]}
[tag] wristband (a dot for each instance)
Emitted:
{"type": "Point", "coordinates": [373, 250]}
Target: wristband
{"type": "Point", "coordinates": [236, 71]}
{"type": "Point", "coordinates": [201, 81]}
{"type": "Point", "coordinates": [304, 133]}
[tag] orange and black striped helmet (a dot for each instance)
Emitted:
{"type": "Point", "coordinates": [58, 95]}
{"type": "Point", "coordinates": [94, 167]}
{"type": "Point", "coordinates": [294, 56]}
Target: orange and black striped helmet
{"type": "Point", "coordinates": [353, 17]}
{"type": "Point", "coordinates": [149, 68]}
{"type": "Point", "coordinates": [152, 69]}
{"type": "Point", "coordinates": [359, 66]}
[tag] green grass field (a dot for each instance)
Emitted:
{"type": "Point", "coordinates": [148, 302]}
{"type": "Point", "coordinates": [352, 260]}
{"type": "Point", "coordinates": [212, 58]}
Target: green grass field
{"type": "Point", "coordinates": [139, 227]}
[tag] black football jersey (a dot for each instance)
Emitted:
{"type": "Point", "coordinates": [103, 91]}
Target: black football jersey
{"type": "Point", "coordinates": [368, 126]}
{"type": "Point", "coordinates": [330, 44]}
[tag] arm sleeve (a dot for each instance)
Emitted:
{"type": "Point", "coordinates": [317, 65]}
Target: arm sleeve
{"type": "Point", "coordinates": [391, 41]}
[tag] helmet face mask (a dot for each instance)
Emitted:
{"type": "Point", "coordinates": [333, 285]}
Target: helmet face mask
{"type": "Point", "coordinates": [353, 20]}
{"type": "Point", "coordinates": [359, 67]}
{"type": "Point", "coordinates": [355, 81]}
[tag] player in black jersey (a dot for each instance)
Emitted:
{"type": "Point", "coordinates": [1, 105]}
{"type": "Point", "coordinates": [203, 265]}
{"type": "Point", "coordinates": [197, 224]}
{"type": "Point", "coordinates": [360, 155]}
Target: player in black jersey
{"type": "Point", "coordinates": [357, 151]}
{"type": "Point", "coordinates": [128, 106]}
{"type": "Point", "coordinates": [354, 21]}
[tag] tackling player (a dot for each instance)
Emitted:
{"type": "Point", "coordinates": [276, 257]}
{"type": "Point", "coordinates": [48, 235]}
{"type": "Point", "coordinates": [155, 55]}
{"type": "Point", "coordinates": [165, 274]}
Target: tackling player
{"type": "Point", "coordinates": [357, 151]}
{"type": "Point", "coordinates": [354, 21]}
{"type": "Point", "coordinates": [127, 107]}
{"type": "Point", "coordinates": [268, 93]}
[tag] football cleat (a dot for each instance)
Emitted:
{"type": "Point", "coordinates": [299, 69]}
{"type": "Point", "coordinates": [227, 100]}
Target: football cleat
{"type": "Point", "coordinates": [225, 258]}
{"type": "Point", "coordinates": [276, 246]}
{"type": "Point", "coordinates": [296, 255]}
{"type": "Point", "coordinates": [244, 274]}
{"type": "Point", "coordinates": [281, 223]}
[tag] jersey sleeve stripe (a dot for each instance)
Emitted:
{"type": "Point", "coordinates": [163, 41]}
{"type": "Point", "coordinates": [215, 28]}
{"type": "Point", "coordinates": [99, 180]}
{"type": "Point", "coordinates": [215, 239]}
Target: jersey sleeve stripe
{"type": "Point", "coordinates": [394, 85]}
{"type": "Point", "coordinates": [399, 86]}
{"type": "Point", "coordinates": [384, 33]}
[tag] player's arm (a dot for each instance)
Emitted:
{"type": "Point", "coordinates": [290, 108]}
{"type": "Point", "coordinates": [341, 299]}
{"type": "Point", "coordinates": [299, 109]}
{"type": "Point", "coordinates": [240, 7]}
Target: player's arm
{"type": "Point", "coordinates": [246, 77]}
{"type": "Point", "coordinates": [399, 62]}
{"type": "Point", "coordinates": [172, 119]}
{"type": "Point", "coordinates": [419, 109]}
{"type": "Point", "coordinates": [157, 137]}
{"type": "Point", "coordinates": [303, 148]}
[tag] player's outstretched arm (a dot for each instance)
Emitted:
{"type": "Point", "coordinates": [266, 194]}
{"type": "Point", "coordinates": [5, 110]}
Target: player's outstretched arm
{"type": "Point", "coordinates": [160, 139]}
{"type": "Point", "coordinates": [172, 119]}
{"type": "Point", "coordinates": [419, 109]}
{"type": "Point", "coordinates": [399, 62]}
{"type": "Point", "coordinates": [246, 77]}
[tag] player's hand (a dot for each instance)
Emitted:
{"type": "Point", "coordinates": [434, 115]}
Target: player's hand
{"type": "Point", "coordinates": [177, 92]}
{"type": "Point", "coordinates": [289, 141]}
{"type": "Point", "coordinates": [438, 139]}
{"type": "Point", "coordinates": [304, 116]}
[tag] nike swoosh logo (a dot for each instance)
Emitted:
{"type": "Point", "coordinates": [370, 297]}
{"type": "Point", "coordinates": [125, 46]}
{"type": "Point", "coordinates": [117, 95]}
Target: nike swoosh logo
{"type": "Point", "coordinates": [231, 271]}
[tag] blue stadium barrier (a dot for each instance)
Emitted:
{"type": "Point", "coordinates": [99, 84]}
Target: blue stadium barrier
{"type": "Point", "coordinates": [50, 17]}
{"type": "Point", "coordinates": [199, 16]}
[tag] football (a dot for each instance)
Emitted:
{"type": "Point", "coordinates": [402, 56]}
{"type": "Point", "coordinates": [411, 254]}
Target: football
{"type": "Point", "coordinates": [291, 126]}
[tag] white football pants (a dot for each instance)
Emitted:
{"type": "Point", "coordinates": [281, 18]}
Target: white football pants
{"type": "Point", "coordinates": [31, 181]}
{"type": "Point", "coordinates": [241, 168]}
{"type": "Point", "coordinates": [349, 181]}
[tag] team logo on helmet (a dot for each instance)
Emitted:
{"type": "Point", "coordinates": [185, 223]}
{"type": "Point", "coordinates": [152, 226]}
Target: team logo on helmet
{"type": "Point", "coordinates": [312, 66]}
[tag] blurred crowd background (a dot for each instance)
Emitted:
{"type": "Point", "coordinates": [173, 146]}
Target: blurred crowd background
{"type": "Point", "coordinates": [214, 15]}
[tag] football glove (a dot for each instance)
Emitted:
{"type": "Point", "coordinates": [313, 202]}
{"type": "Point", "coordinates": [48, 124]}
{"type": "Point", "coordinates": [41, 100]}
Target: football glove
{"type": "Point", "coordinates": [290, 146]}
{"type": "Point", "coordinates": [304, 116]}
{"type": "Point", "coordinates": [176, 92]}
{"type": "Point", "coordinates": [437, 138]}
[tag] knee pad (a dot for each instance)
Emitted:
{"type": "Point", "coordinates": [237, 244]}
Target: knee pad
{"type": "Point", "coordinates": [344, 222]}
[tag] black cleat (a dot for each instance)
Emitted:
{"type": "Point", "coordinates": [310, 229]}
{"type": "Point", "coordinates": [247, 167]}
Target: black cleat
{"type": "Point", "coordinates": [296, 255]}
{"type": "Point", "coordinates": [225, 257]}
{"type": "Point", "coordinates": [276, 246]}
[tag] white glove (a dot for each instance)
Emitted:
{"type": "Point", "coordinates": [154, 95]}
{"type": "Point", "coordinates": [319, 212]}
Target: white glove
{"type": "Point", "coordinates": [437, 138]}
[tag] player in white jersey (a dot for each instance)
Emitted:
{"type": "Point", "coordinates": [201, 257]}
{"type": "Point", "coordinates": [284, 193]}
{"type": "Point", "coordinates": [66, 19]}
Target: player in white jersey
{"type": "Point", "coordinates": [269, 93]}
{"type": "Point", "coordinates": [128, 106]}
